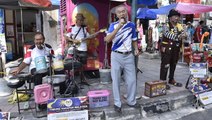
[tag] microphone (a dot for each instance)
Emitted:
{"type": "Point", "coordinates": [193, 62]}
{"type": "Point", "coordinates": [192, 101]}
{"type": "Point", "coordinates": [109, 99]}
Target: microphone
{"type": "Point", "coordinates": [40, 46]}
{"type": "Point", "coordinates": [122, 20]}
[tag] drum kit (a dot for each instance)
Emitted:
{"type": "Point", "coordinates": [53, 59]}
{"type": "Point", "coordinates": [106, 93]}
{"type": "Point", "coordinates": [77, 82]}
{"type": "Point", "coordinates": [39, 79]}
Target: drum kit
{"type": "Point", "coordinates": [58, 64]}
{"type": "Point", "coordinates": [70, 64]}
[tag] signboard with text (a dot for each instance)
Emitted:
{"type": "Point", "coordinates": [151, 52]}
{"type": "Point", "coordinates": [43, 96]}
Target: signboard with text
{"type": "Point", "coordinates": [74, 108]}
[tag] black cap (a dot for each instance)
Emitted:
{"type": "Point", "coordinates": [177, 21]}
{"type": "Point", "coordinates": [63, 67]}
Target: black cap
{"type": "Point", "coordinates": [173, 12]}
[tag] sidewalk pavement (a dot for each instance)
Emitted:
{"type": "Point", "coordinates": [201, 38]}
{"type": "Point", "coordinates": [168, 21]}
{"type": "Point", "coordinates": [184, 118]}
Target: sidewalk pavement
{"type": "Point", "coordinates": [151, 71]}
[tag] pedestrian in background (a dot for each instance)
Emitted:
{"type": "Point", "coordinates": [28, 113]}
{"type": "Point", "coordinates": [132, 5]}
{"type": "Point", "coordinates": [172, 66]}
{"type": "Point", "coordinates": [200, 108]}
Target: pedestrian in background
{"type": "Point", "coordinates": [190, 32]}
{"type": "Point", "coordinates": [122, 33]}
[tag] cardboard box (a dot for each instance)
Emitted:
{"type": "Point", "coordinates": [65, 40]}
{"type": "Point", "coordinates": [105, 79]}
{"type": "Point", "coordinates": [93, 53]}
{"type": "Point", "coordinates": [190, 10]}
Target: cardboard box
{"type": "Point", "coordinates": [155, 88]}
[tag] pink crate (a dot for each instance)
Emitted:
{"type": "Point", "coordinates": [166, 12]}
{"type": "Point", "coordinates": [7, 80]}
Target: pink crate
{"type": "Point", "coordinates": [43, 93]}
{"type": "Point", "coordinates": [98, 98]}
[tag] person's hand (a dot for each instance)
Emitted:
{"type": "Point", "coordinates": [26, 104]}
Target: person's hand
{"type": "Point", "coordinates": [15, 71]}
{"type": "Point", "coordinates": [182, 36]}
{"type": "Point", "coordinates": [121, 22]}
{"type": "Point", "coordinates": [137, 52]}
{"type": "Point", "coordinates": [77, 41]}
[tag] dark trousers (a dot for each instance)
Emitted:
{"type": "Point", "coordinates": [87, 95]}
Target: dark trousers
{"type": "Point", "coordinates": [82, 56]}
{"type": "Point", "coordinates": [169, 59]}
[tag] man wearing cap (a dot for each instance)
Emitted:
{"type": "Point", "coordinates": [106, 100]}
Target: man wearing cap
{"type": "Point", "coordinates": [170, 47]}
{"type": "Point", "coordinates": [77, 36]}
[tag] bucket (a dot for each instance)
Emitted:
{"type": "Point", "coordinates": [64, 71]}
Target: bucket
{"type": "Point", "coordinates": [40, 64]}
{"type": "Point", "coordinates": [58, 65]}
{"type": "Point", "coordinates": [105, 76]}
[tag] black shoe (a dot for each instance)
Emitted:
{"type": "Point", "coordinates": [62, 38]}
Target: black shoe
{"type": "Point", "coordinates": [117, 109]}
{"type": "Point", "coordinates": [135, 106]}
{"type": "Point", "coordinates": [168, 87]}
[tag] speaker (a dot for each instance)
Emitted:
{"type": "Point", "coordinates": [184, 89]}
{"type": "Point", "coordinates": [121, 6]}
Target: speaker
{"type": "Point", "coordinates": [43, 93]}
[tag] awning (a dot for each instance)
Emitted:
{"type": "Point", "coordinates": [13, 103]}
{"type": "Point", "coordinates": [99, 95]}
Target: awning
{"type": "Point", "coordinates": [33, 4]}
{"type": "Point", "coordinates": [119, 0]}
{"type": "Point", "coordinates": [147, 2]}
{"type": "Point", "coordinates": [142, 14]}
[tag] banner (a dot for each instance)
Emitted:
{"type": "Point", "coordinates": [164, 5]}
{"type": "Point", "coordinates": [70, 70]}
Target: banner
{"type": "Point", "coordinates": [3, 47]}
{"type": "Point", "coordinates": [74, 108]}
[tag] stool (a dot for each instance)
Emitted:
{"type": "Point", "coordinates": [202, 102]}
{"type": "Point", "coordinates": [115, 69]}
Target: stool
{"type": "Point", "coordinates": [19, 82]}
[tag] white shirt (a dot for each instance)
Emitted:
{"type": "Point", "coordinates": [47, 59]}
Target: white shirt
{"type": "Point", "coordinates": [124, 37]}
{"type": "Point", "coordinates": [33, 52]}
{"type": "Point", "coordinates": [80, 36]}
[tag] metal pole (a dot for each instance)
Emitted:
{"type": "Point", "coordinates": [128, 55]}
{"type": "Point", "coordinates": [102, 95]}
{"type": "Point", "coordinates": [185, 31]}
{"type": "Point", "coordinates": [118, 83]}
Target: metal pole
{"type": "Point", "coordinates": [22, 29]}
{"type": "Point", "coordinates": [134, 10]}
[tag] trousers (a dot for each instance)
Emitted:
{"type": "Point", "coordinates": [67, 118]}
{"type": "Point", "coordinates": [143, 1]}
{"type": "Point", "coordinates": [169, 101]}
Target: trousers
{"type": "Point", "coordinates": [169, 58]}
{"type": "Point", "coordinates": [123, 63]}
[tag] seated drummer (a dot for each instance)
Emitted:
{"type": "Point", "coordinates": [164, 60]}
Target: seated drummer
{"type": "Point", "coordinates": [77, 37]}
{"type": "Point", "coordinates": [38, 49]}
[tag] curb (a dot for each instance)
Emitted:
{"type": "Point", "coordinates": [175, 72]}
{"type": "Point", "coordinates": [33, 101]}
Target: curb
{"type": "Point", "coordinates": [149, 108]}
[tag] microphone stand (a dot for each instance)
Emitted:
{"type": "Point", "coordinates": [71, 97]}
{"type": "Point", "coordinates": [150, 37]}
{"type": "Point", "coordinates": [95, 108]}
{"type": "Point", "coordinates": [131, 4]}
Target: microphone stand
{"type": "Point", "coordinates": [50, 56]}
{"type": "Point", "coordinates": [72, 81]}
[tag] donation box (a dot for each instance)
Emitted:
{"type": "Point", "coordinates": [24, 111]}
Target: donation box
{"type": "Point", "coordinates": [155, 88]}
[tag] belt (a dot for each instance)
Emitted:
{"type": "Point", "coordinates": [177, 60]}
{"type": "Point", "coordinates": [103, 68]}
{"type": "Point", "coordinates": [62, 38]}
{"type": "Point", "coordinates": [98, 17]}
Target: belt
{"type": "Point", "coordinates": [124, 53]}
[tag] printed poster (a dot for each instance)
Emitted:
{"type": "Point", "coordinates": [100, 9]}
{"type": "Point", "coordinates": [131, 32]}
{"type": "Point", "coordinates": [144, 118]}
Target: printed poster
{"type": "Point", "coordinates": [74, 108]}
{"type": "Point", "coordinates": [3, 47]}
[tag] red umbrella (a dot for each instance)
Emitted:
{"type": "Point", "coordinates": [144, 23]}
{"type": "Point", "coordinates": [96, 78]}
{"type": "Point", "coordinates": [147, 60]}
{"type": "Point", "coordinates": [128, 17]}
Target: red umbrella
{"type": "Point", "coordinates": [36, 3]}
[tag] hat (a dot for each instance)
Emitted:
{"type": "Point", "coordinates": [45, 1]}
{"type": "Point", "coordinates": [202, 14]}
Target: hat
{"type": "Point", "coordinates": [188, 22]}
{"type": "Point", "coordinates": [173, 12]}
{"type": "Point", "coordinates": [79, 16]}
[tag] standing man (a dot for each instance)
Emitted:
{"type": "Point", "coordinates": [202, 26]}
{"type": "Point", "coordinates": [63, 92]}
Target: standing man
{"type": "Point", "coordinates": [78, 35]}
{"type": "Point", "coordinates": [123, 35]}
{"type": "Point", "coordinates": [170, 47]}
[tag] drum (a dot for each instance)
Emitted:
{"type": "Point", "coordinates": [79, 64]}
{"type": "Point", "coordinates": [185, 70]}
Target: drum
{"type": "Point", "coordinates": [70, 52]}
{"type": "Point", "coordinates": [40, 64]}
{"type": "Point", "coordinates": [69, 63]}
{"type": "Point", "coordinates": [58, 65]}
{"type": "Point", "coordinates": [15, 83]}
{"type": "Point", "coordinates": [56, 79]}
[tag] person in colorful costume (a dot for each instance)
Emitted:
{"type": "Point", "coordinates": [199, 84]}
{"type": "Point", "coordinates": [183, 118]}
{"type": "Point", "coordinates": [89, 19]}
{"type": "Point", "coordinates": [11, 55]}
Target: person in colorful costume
{"type": "Point", "coordinates": [170, 47]}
